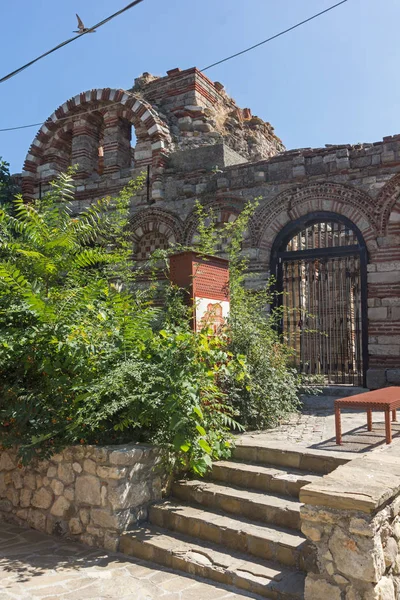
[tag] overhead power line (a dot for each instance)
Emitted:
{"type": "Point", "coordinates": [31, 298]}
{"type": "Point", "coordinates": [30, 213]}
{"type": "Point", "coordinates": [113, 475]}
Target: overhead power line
{"type": "Point", "coordinates": [204, 69]}
{"type": "Point", "coordinates": [219, 62]}
{"type": "Point", "coordinates": [89, 30]}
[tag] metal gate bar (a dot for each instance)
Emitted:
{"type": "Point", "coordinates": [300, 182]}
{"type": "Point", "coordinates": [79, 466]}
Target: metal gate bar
{"type": "Point", "coordinates": [322, 318]}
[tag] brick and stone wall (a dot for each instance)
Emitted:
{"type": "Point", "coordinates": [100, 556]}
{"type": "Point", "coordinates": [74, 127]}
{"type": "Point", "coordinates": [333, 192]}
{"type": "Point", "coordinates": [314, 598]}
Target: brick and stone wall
{"type": "Point", "coordinates": [199, 145]}
{"type": "Point", "coordinates": [88, 493]}
{"type": "Point", "coordinates": [352, 518]}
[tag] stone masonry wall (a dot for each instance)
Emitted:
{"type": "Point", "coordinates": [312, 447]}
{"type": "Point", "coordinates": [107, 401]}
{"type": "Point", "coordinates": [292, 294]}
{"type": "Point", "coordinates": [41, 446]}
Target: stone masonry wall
{"type": "Point", "coordinates": [353, 519]}
{"type": "Point", "coordinates": [199, 145]}
{"type": "Point", "coordinates": [87, 493]}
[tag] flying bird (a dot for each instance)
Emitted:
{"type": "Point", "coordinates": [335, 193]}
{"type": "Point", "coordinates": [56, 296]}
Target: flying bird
{"type": "Point", "coordinates": [82, 28]}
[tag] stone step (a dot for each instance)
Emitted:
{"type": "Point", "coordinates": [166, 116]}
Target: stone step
{"type": "Point", "coordinates": [284, 481]}
{"type": "Point", "coordinates": [342, 391]}
{"type": "Point", "coordinates": [280, 454]}
{"type": "Point", "coordinates": [326, 400]}
{"type": "Point", "coordinates": [183, 553]}
{"type": "Point", "coordinates": [271, 508]}
{"type": "Point", "coordinates": [236, 533]}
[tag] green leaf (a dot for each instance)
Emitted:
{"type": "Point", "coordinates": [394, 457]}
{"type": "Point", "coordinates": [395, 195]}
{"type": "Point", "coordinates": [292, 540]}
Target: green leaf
{"type": "Point", "coordinates": [201, 430]}
{"type": "Point", "coordinates": [203, 444]}
{"type": "Point", "coordinates": [197, 411]}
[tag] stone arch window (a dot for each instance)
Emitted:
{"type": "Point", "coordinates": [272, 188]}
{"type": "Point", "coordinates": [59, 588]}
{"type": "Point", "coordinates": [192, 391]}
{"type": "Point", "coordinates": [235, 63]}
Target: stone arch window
{"type": "Point", "coordinates": [149, 242]}
{"type": "Point", "coordinates": [100, 140]}
{"type": "Point", "coordinates": [154, 229]}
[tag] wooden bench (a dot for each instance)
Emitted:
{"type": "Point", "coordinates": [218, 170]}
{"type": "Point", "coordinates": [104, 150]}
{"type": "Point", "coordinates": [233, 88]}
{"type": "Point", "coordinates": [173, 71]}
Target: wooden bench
{"type": "Point", "coordinates": [386, 399]}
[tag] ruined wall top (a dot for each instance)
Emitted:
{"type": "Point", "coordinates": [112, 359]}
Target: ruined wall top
{"type": "Point", "coordinates": [200, 112]}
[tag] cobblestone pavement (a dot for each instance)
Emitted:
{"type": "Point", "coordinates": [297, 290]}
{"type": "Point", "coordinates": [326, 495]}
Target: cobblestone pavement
{"type": "Point", "coordinates": [315, 428]}
{"type": "Point", "coordinates": [34, 566]}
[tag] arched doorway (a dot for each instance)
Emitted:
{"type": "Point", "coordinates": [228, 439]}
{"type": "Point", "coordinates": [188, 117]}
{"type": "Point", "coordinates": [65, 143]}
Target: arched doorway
{"type": "Point", "coordinates": [320, 264]}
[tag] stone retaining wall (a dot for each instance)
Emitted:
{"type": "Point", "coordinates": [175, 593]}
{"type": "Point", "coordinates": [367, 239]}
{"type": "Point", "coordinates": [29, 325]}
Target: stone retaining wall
{"type": "Point", "coordinates": [353, 519]}
{"type": "Point", "coordinates": [88, 493]}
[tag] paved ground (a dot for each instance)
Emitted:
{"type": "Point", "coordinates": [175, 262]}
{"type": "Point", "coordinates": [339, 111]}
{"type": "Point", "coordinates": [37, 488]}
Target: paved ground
{"type": "Point", "coordinates": [315, 428]}
{"type": "Point", "coordinates": [34, 566]}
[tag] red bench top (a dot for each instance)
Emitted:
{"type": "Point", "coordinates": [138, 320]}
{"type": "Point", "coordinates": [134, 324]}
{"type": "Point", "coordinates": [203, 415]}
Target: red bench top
{"type": "Point", "coordinates": [384, 398]}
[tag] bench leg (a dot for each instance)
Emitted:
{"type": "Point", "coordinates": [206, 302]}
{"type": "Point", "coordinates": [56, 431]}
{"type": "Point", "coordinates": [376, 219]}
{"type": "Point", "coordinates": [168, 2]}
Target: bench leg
{"type": "Point", "coordinates": [369, 419]}
{"type": "Point", "coordinates": [394, 415]}
{"type": "Point", "coordinates": [338, 426]}
{"type": "Point", "coordinates": [388, 427]}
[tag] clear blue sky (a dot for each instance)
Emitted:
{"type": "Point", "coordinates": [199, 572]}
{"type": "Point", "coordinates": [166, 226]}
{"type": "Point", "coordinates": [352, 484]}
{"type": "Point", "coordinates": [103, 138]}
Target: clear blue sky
{"type": "Point", "coordinates": [335, 80]}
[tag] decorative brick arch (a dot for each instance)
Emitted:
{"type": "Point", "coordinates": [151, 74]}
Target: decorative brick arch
{"type": "Point", "coordinates": [225, 209]}
{"type": "Point", "coordinates": [108, 103]}
{"type": "Point", "coordinates": [154, 228]}
{"type": "Point", "coordinates": [296, 202]}
{"type": "Point", "coordinates": [388, 204]}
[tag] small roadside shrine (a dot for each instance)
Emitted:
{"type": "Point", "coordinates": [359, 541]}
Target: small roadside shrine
{"type": "Point", "coordinates": [206, 280]}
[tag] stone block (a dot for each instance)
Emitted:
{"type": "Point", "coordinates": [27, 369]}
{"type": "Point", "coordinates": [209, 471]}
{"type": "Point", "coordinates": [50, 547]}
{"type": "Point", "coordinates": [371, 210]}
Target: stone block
{"type": "Point", "coordinates": [89, 466]}
{"type": "Point", "coordinates": [30, 481]}
{"type": "Point", "coordinates": [57, 487]}
{"type": "Point", "coordinates": [125, 456]}
{"type": "Point", "coordinates": [129, 495]}
{"type": "Point", "coordinates": [66, 473]}
{"type": "Point", "coordinates": [13, 496]}
{"type": "Point", "coordinates": [360, 558]}
{"type": "Point", "coordinates": [87, 490]}
{"type": "Point", "coordinates": [376, 379]}
{"type": "Point", "coordinates": [25, 498]}
{"type": "Point", "coordinates": [42, 498]}
{"type": "Point", "coordinates": [17, 480]}
{"type": "Point", "coordinates": [384, 350]}
{"type": "Point", "coordinates": [51, 471]}
{"type": "Point", "coordinates": [395, 313]}
{"type": "Point", "coordinates": [377, 313]}
{"type": "Point", "coordinates": [393, 376]}
{"type": "Point", "coordinates": [384, 277]}
{"type": "Point", "coordinates": [185, 123]}
{"type": "Point", "coordinates": [5, 506]}
{"type": "Point", "coordinates": [37, 520]}
{"type": "Point", "coordinates": [75, 526]}
{"type": "Point", "coordinates": [60, 507]}
{"type": "Point", "coordinates": [107, 520]}
{"type": "Point", "coordinates": [7, 462]}
{"type": "Point", "coordinates": [319, 589]}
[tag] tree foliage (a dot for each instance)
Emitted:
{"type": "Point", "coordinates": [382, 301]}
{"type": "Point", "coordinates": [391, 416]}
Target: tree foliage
{"type": "Point", "coordinates": [6, 184]}
{"type": "Point", "coordinates": [85, 355]}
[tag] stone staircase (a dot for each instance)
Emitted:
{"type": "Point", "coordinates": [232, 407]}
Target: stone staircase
{"type": "Point", "coordinates": [241, 527]}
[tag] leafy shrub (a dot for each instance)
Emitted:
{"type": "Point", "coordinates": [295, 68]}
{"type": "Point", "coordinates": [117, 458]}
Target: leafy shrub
{"type": "Point", "coordinates": [271, 388]}
{"type": "Point", "coordinates": [85, 356]}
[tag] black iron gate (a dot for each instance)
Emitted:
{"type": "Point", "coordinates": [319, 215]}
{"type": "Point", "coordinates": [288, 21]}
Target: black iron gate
{"type": "Point", "coordinates": [320, 265]}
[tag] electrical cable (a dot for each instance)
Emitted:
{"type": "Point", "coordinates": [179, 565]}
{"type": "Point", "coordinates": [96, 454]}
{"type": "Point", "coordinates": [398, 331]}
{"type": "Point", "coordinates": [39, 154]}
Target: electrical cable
{"type": "Point", "coordinates": [89, 30]}
{"type": "Point", "coordinates": [274, 36]}
{"type": "Point", "coordinates": [202, 70]}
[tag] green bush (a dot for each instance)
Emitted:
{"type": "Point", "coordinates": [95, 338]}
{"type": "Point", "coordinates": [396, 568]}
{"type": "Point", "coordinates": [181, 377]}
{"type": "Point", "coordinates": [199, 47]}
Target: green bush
{"type": "Point", "coordinates": [270, 390]}
{"type": "Point", "coordinates": [85, 356]}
